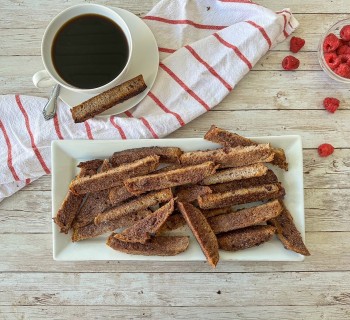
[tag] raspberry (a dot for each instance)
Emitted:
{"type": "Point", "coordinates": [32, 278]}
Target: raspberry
{"type": "Point", "coordinates": [343, 70]}
{"type": "Point", "coordinates": [345, 33]}
{"type": "Point", "coordinates": [325, 150]}
{"type": "Point", "coordinates": [332, 60]}
{"type": "Point", "coordinates": [296, 44]}
{"type": "Point", "coordinates": [344, 58]}
{"type": "Point", "coordinates": [344, 49]}
{"type": "Point", "coordinates": [290, 63]}
{"type": "Point", "coordinates": [331, 104]}
{"type": "Point", "coordinates": [331, 43]}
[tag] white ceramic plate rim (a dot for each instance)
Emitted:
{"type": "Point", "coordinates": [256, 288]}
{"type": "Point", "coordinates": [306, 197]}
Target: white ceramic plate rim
{"type": "Point", "coordinates": [67, 153]}
{"type": "Point", "coordinates": [140, 33]}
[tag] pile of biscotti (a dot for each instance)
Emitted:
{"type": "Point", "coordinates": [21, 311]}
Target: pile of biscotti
{"type": "Point", "coordinates": [131, 192]}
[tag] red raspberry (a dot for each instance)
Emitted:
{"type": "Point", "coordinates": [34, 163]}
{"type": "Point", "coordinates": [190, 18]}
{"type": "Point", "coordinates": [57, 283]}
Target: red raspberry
{"type": "Point", "coordinates": [325, 150]}
{"type": "Point", "coordinates": [345, 33]}
{"type": "Point", "coordinates": [332, 60]}
{"type": "Point", "coordinates": [296, 44]}
{"type": "Point", "coordinates": [343, 70]}
{"type": "Point", "coordinates": [290, 63]}
{"type": "Point", "coordinates": [331, 104]}
{"type": "Point", "coordinates": [331, 43]}
{"type": "Point", "coordinates": [344, 49]}
{"type": "Point", "coordinates": [344, 58]}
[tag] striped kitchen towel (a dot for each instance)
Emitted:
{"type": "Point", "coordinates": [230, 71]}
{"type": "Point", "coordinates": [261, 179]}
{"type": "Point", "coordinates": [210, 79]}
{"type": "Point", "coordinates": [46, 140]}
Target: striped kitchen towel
{"type": "Point", "coordinates": [206, 46]}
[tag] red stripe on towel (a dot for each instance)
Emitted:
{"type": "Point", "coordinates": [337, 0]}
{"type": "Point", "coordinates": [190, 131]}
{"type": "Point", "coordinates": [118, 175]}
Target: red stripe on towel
{"type": "Point", "coordinates": [210, 69]}
{"type": "Point", "coordinates": [184, 86]}
{"type": "Point", "coordinates": [9, 152]}
{"type": "Point", "coordinates": [165, 109]}
{"type": "Point", "coordinates": [119, 128]}
{"type": "Point", "coordinates": [34, 147]}
{"type": "Point", "coordinates": [262, 30]}
{"type": "Point", "coordinates": [187, 22]}
{"type": "Point", "coordinates": [235, 49]}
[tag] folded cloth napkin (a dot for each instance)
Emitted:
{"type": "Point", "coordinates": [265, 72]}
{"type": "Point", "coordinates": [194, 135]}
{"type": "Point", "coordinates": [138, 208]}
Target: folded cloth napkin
{"type": "Point", "coordinates": [206, 47]}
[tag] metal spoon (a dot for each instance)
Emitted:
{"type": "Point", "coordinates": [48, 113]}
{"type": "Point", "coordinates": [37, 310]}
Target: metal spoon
{"type": "Point", "coordinates": [49, 110]}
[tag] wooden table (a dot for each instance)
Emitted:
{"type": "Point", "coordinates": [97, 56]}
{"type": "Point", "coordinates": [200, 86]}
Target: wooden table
{"type": "Point", "coordinates": [268, 101]}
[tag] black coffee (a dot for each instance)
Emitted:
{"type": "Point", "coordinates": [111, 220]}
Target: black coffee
{"type": "Point", "coordinates": [89, 51]}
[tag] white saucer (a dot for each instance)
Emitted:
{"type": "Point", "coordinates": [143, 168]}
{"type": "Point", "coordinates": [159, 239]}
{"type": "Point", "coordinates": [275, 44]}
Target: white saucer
{"type": "Point", "coordinates": [144, 60]}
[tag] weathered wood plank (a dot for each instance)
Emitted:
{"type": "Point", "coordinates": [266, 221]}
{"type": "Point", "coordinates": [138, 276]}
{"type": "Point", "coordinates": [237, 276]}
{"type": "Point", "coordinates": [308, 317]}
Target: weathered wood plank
{"type": "Point", "coordinates": [178, 313]}
{"type": "Point", "coordinates": [314, 126]}
{"type": "Point", "coordinates": [330, 251]}
{"type": "Point", "coordinates": [175, 289]}
{"type": "Point", "coordinates": [29, 211]}
{"type": "Point", "coordinates": [14, 14]}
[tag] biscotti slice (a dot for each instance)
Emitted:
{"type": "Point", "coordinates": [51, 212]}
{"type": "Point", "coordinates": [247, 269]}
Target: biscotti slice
{"type": "Point", "coordinates": [94, 203]}
{"type": "Point", "coordinates": [119, 194]}
{"type": "Point", "coordinates": [230, 157]}
{"type": "Point", "coordinates": [142, 230]}
{"type": "Point", "coordinates": [157, 181]}
{"type": "Point", "coordinates": [114, 176]}
{"type": "Point", "coordinates": [267, 178]}
{"type": "Point", "coordinates": [245, 218]}
{"type": "Point", "coordinates": [216, 211]}
{"type": "Point", "coordinates": [92, 230]}
{"type": "Point", "coordinates": [157, 246]}
{"type": "Point", "coordinates": [232, 174]}
{"type": "Point", "coordinates": [108, 99]}
{"type": "Point", "coordinates": [138, 204]}
{"type": "Point", "coordinates": [175, 221]}
{"type": "Point", "coordinates": [226, 138]}
{"type": "Point", "coordinates": [229, 139]}
{"type": "Point", "coordinates": [241, 196]}
{"type": "Point", "coordinates": [245, 238]}
{"type": "Point", "coordinates": [191, 192]}
{"type": "Point", "coordinates": [71, 204]}
{"type": "Point", "coordinates": [202, 231]}
{"type": "Point", "coordinates": [166, 154]}
{"type": "Point", "coordinates": [288, 233]}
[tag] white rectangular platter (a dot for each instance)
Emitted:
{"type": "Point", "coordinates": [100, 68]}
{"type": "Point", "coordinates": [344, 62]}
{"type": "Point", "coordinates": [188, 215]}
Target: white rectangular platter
{"type": "Point", "coordinates": [66, 154]}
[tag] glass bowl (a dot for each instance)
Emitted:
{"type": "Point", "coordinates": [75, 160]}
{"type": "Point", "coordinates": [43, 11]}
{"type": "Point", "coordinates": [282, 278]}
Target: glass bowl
{"type": "Point", "coordinates": [336, 30]}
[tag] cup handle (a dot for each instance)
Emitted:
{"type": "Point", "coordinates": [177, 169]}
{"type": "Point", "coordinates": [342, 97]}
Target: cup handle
{"type": "Point", "coordinates": [42, 79]}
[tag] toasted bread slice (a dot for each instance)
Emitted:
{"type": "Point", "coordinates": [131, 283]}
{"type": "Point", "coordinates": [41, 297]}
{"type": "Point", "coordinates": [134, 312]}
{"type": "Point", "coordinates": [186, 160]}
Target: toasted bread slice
{"type": "Point", "coordinates": [241, 196]}
{"type": "Point", "coordinates": [108, 99]}
{"type": "Point", "coordinates": [119, 194]}
{"type": "Point", "coordinates": [245, 218]}
{"type": "Point", "coordinates": [157, 246]}
{"type": "Point", "coordinates": [233, 174]}
{"type": "Point", "coordinates": [92, 230]}
{"type": "Point", "coordinates": [288, 233]}
{"type": "Point", "coordinates": [230, 157]}
{"type": "Point", "coordinates": [267, 178]}
{"type": "Point", "coordinates": [245, 238]}
{"type": "Point", "coordinates": [229, 139]}
{"type": "Point", "coordinates": [189, 193]}
{"type": "Point", "coordinates": [166, 154]}
{"type": "Point", "coordinates": [114, 176]}
{"type": "Point", "coordinates": [157, 181]}
{"type": "Point", "coordinates": [202, 231]}
{"type": "Point", "coordinates": [138, 204]}
{"type": "Point", "coordinates": [142, 230]}
{"type": "Point", "coordinates": [71, 204]}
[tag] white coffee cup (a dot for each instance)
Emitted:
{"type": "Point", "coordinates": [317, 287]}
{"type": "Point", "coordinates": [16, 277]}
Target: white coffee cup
{"type": "Point", "coordinates": [49, 76]}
